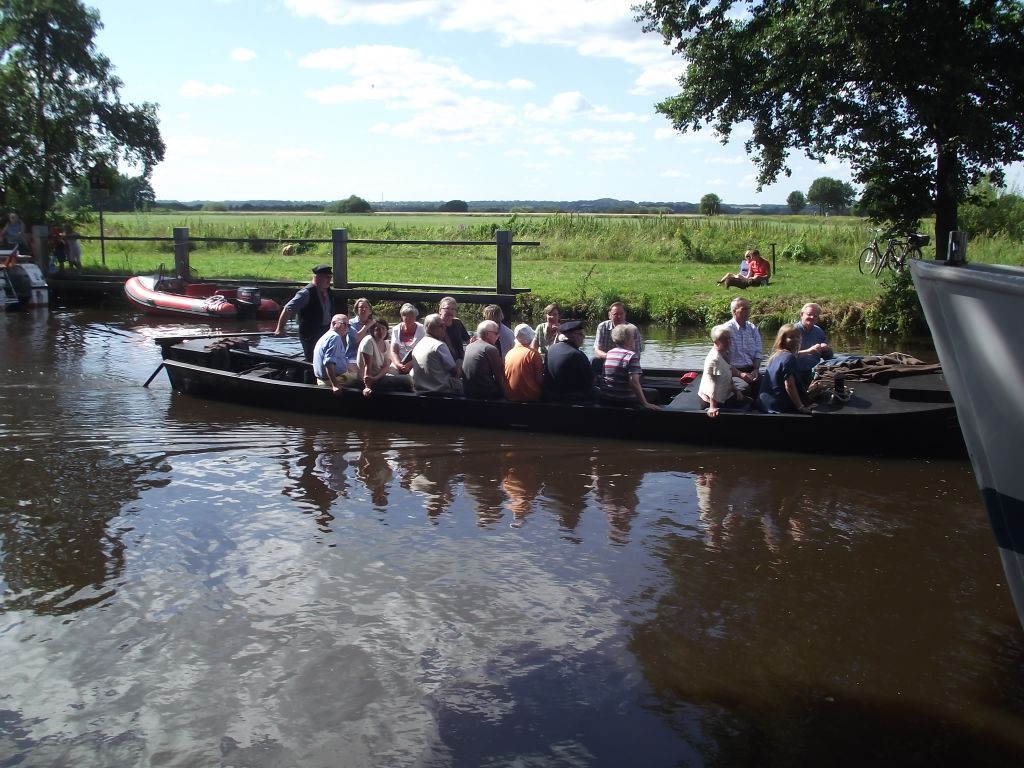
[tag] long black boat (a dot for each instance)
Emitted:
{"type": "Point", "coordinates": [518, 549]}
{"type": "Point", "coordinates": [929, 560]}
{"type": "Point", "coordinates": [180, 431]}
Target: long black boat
{"type": "Point", "coordinates": [910, 416]}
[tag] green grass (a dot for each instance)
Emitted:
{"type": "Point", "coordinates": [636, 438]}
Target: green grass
{"type": "Point", "coordinates": [664, 267]}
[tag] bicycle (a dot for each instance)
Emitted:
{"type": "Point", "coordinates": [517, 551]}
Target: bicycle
{"type": "Point", "coordinates": [872, 259]}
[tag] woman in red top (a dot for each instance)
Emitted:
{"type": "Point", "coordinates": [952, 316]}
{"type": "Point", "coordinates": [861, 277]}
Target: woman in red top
{"type": "Point", "coordinates": [758, 272]}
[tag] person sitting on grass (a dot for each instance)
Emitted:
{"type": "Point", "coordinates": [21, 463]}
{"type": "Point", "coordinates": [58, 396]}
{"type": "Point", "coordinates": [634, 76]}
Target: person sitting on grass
{"type": "Point", "coordinates": [758, 272]}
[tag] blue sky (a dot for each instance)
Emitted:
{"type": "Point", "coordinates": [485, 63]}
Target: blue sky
{"type": "Point", "coordinates": [419, 100]}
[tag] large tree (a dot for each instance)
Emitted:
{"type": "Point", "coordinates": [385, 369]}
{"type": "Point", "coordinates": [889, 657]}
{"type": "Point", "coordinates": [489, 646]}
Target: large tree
{"type": "Point", "coordinates": [711, 204]}
{"type": "Point", "coordinates": [830, 195]}
{"type": "Point", "coordinates": [796, 201]}
{"type": "Point", "coordinates": [920, 97]}
{"type": "Point", "coordinates": [61, 114]}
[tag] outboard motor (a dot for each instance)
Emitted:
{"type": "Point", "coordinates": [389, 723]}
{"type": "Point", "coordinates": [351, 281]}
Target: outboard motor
{"type": "Point", "coordinates": [248, 300]}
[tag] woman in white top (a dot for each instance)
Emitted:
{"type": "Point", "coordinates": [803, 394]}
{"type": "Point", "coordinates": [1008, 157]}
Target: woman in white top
{"type": "Point", "coordinates": [372, 361]}
{"type": "Point", "coordinates": [404, 337]}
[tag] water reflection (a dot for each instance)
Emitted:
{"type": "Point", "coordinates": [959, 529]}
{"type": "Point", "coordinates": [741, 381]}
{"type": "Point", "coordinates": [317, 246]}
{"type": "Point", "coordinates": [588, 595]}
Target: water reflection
{"type": "Point", "coordinates": [238, 586]}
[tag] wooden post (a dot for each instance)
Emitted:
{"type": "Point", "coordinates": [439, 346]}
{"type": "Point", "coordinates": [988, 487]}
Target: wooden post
{"type": "Point", "coordinates": [773, 259]}
{"type": "Point", "coordinates": [181, 252]}
{"type": "Point", "coordinates": [339, 253]}
{"type": "Point", "coordinates": [40, 247]}
{"type": "Point", "coordinates": [503, 269]}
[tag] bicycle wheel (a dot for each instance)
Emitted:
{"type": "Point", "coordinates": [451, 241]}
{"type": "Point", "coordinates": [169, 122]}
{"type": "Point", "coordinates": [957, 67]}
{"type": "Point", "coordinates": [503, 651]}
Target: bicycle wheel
{"type": "Point", "coordinates": [868, 261]}
{"type": "Point", "coordinates": [896, 261]}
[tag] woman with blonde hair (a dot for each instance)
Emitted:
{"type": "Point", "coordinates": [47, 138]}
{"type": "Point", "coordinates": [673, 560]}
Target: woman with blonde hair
{"type": "Point", "coordinates": [782, 390]}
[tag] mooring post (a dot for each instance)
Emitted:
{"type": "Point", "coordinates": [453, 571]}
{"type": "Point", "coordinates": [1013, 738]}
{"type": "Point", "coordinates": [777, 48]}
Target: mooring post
{"type": "Point", "coordinates": [181, 252]}
{"type": "Point", "coordinates": [41, 247]}
{"type": "Point", "coordinates": [503, 268]}
{"type": "Point", "coordinates": [339, 253]}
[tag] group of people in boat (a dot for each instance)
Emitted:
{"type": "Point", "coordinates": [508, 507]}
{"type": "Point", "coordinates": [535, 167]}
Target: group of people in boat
{"type": "Point", "coordinates": [732, 369]}
{"type": "Point", "coordinates": [441, 356]}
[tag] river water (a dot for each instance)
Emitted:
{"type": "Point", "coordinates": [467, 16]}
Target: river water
{"type": "Point", "coordinates": [193, 584]}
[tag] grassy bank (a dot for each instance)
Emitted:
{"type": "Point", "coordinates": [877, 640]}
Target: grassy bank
{"type": "Point", "coordinates": [664, 267]}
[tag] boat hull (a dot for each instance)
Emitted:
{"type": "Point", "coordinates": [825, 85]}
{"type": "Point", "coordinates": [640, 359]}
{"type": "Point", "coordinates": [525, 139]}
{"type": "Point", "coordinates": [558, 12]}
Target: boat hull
{"type": "Point", "coordinates": [973, 313]}
{"type": "Point", "coordinates": [860, 426]}
{"type": "Point", "coordinates": [198, 299]}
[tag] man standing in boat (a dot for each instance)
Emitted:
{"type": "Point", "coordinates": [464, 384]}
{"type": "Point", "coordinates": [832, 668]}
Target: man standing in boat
{"type": "Point", "coordinates": [745, 344]}
{"type": "Point", "coordinates": [314, 305]}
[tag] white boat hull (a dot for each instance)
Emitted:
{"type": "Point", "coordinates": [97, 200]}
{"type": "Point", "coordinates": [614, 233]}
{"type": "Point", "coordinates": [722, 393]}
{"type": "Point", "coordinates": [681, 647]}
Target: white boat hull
{"type": "Point", "coordinates": [974, 312]}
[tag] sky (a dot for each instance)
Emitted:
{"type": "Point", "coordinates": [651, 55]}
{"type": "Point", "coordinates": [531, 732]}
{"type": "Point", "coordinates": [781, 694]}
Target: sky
{"type": "Point", "coordinates": [419, 100]}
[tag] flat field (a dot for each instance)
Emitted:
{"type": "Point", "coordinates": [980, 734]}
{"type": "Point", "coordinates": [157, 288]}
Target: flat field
{"type": "Point", "coordinates": [664, 267]}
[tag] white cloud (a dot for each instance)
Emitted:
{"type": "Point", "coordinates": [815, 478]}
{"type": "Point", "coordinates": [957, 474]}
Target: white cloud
{"type": "Point", "coordinates": [343, 12]}
{"type": "Point", "coordinates": [243, 54]}
{"type": "Point", "coordinates": [519, 84]}
{"type": "Point", "coordinates": [561, 107]}
{"type": "Point", "coordinates": [671, 173]}
{"type": "Point", "coordinates": [196, 90]}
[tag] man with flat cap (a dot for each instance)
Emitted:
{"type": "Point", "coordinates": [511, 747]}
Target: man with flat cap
{"type": "Point", "coordinates": [568, 374]}
{"type": "Point", "coordinates": [314, 305]}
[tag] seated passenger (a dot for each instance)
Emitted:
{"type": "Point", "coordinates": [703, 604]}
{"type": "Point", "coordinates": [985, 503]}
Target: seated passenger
{"type": "Point", "coordinates": [524, 367]}
{"type": "Point", "coordinates": [620, 377]}
{"type": "Point", "coordinates": [455, 332]}
{"type": "Point", "coordinates": [360, 324]}
{"type": "Point", "coordinates": [603, 340]}
{"type": "Point", "coordinates": [483, 372]}
{"type": "Point", "coordinates": [547, 332]}
{"type": "Point", "coordinates": [330, 360]}
{"type": "Point", "coordinates": [758, 272]}
{"type": "Point", "coordinates": [814, 345]}
{"type": "Point", "coordinates": [567, 371]}
{"type": "Point", "coordinates": [717, 387]}
{"type": "Point", "coordinates": [434, 368]}
{"type": "Point", "coordinates": [506, 339]}
{"type": "Point", "coordinates": [404, 337]}
{"type": "Point", "coordinates": [373, 363]}
{"type": "Point", "coordinates": [782, 390]}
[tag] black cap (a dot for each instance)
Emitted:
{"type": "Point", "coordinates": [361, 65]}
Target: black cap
{"type": "Point", "coordinates": [323, 269]}
{"type": "Point", "coordinates": [571, 325]}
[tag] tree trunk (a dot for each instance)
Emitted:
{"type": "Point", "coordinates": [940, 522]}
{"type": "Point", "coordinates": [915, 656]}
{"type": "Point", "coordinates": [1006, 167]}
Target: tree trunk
{"type": "Point", "coordinates": [946, 179]}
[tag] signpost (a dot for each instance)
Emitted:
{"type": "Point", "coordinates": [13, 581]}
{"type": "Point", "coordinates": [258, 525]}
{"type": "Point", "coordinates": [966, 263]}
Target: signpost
{"type": "Point", "coordinates": [98, 183]}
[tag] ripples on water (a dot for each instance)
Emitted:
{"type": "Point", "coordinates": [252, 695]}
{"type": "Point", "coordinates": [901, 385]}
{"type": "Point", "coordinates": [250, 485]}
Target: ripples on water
{"type": "Point", "coordinates": [185, 583]}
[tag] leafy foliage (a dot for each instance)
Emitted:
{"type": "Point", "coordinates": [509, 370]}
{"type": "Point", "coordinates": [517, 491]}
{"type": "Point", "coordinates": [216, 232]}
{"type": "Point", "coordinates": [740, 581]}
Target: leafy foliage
{"type": "Point", "coordinates": [61, 114]}
{"type": "Point", "coordinates": [454, 206]}
{"type": "Point", "coordinates": [796, 201]}
{"type": "Point", "coordinates": [353, 204]}
{"type": "Point", "coordinates": [830, 195]}
{"type": "Point", "coordinates": [921, 99]}
{"type": "Point", "coordinates": [711, 204]}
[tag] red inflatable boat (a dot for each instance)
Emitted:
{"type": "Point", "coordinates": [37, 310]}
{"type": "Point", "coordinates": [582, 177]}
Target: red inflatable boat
{"type": "Point", "coordinates": [171, 296]}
